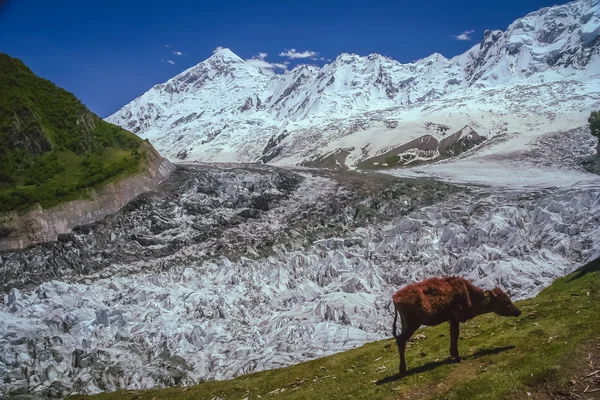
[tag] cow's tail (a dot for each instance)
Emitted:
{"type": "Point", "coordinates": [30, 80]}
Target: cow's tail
{"type": "Point", "coordinates": [395, 319]}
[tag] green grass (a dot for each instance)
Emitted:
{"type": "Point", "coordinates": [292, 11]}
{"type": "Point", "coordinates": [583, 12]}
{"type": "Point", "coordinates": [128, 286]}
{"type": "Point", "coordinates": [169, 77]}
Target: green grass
{"type": "Point", "coordinates": [64, 176]}
{"type": "Point", "coordinates": [52, 148]}
{"type": "Point", "coordinates": [503, 358]}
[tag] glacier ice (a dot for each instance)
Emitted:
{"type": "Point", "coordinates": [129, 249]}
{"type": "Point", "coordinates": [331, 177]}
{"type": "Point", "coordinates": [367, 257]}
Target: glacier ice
{"type": "Point", "coordinates": [219, 318]}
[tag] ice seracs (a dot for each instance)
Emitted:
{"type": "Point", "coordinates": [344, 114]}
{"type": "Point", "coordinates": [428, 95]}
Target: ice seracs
{"type": "Point", "coordinates": [215, 319]}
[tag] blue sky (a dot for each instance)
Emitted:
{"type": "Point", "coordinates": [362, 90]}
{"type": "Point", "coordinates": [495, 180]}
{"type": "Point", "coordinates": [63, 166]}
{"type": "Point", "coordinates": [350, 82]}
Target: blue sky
{"type": "Point", "coordinates": [109, 52]}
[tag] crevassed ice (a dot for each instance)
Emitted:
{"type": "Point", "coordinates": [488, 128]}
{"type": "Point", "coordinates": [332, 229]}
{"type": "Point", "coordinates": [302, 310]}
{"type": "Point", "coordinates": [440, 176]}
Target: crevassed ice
{"type": "Point", "coordinates": [217, 320]}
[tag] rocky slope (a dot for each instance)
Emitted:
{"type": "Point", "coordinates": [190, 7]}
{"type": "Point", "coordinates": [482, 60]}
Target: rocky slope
{"type": "Point", "coordinates": [543, 67]}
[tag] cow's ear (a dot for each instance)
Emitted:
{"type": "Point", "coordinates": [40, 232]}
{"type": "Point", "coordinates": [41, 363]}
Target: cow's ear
{"type": "Point", "coordinates": [487, 296]}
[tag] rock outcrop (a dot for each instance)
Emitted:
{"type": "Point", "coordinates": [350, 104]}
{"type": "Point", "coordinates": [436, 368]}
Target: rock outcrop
{"type": "Point", "coordinates": [426, 149]}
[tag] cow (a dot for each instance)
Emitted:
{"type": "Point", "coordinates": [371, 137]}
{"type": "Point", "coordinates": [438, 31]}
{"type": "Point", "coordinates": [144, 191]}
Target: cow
{"type": "Point", "coordinates": [438, 300]}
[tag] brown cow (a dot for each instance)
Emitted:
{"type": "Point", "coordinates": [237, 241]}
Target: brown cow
{"type": "Point", "coordinates": [438, 300]}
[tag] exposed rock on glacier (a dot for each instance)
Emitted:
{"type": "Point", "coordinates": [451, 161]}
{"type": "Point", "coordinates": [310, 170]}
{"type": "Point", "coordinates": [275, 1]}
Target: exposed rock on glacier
{"type": "Point", "coordinates": [426, 149]}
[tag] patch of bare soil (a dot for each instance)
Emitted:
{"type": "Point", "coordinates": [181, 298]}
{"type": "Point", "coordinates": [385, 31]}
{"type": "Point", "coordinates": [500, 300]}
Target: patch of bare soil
{"type": "Point", "coordinates": [584, 381]}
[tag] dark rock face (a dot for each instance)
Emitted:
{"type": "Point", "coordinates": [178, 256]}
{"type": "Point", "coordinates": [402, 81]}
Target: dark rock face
{"type": "Point", "coordinates": [186, 119]}
{"type": "Point", "coordinates": [272, 150]}
{"type": "Point", "coordinates": [427, 149]}
{"type": "Point", "coordinates": [490, 37]}
{"type": "Point", "coordinates": [249, 104]}
{"type": "Point", "coordinates": [458, 143]}
{"type": "Point", "coordinates": [250, 213]}
{"type": "Point", "coordinates": [577, 57]}
{"type": "Point", "coordinates": [182, 154]}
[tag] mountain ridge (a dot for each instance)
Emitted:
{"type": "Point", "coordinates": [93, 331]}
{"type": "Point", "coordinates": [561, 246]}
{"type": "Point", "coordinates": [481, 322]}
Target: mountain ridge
{"type": "Point", "coordinates": [246, 106]}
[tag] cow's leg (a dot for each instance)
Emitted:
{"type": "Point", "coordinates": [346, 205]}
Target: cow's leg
{"type": "Point", "coordinates": [454, 331]}
{"type": "Point", "coordinates": [395, 319]}
{"type": "Point", "coordinates": [407, 332]}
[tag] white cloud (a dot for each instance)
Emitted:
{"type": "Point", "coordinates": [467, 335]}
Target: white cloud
{"type": "Point", "coordinates": [171, 62]}
{"type": "Point", "coordinates": [466, 35]}
{"type": "Point", "coordinates": [166, 45]}
{"type": "Point", "coordinates": [177, 53]}
{"type": "Point", "coordinates": [267, 68]}
{"type": "Point", "coordinates": [219, 48]}
{"type": "Point", "coordinates": [292, 53]}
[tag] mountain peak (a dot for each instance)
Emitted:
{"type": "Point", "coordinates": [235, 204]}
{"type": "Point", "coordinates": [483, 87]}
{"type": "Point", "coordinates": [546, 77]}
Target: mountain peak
{"type": "Point", "coordinates": [225, 54]}
{"type": "Point", "coordinates": [435, 57]}
{"type": "Point", "coordinates": [556, 44]}
{"type": "Point", "coordinates": [222, 62]}
{"type": "Point", "coordinates": [346, 57]}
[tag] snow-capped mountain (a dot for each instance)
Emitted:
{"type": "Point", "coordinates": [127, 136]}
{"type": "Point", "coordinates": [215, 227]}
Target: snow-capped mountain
{"type": "Point", "coordinates": [545, 66]}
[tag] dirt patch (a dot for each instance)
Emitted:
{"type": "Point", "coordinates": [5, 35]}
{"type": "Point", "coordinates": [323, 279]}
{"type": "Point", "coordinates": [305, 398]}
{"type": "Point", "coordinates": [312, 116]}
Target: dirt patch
{"type": "Point", "coordinates": [584, 378]}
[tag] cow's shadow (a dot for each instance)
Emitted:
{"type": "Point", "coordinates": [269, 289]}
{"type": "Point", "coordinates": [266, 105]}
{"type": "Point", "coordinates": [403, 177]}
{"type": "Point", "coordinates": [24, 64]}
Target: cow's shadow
{"type": "Point", "coordinates": [434, 364]}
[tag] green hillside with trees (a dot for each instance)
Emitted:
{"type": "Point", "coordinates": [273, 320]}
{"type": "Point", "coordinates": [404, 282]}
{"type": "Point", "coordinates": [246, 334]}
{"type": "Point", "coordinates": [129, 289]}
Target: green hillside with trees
{"type": "Point", "coordinates": [52, 148]}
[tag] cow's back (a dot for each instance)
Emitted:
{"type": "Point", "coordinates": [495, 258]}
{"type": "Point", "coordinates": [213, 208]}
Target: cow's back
{"type": "Point", "coordinates": [435, 300]}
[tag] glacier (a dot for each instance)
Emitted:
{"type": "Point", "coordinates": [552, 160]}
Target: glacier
{"type": "Point", "coordinates": [192, 314]}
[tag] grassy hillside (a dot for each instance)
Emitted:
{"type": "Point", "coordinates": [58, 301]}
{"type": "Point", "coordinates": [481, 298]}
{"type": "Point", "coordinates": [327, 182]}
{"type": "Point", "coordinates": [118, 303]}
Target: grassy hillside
{"type": "Point", "coordinates": [52, 148]}
{"type": "Point", "coordinates": [545, 353]}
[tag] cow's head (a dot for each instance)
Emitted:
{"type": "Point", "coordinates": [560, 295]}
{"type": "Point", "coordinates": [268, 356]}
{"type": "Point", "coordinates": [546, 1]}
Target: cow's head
{"type": "Point", "coordinates": [500, 303]}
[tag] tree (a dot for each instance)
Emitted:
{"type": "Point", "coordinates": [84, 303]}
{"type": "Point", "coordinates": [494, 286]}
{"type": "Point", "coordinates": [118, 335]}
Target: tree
{"type": "Point", "coordinates": [594, 121]}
